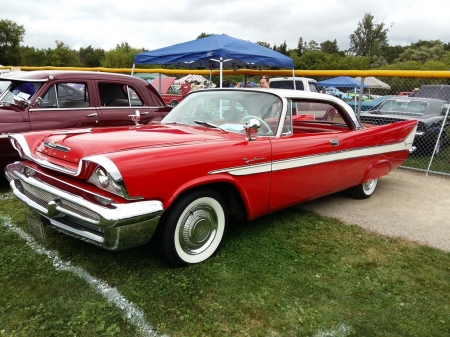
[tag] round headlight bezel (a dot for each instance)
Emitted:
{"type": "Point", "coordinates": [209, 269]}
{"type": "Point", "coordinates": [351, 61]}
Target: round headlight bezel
{"type": "Point", "coordinates": [102, 177]}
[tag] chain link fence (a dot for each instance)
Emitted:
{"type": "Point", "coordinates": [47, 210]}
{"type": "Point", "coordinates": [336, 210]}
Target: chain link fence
{"type": "Point", "coordinates": [385, 100]}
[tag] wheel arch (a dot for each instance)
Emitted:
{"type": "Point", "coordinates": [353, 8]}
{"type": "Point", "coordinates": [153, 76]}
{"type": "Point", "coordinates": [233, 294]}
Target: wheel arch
{"type": "Point", "coordinates": [376, 169]}
{"type": "Point", "coordinates": [228, 191]}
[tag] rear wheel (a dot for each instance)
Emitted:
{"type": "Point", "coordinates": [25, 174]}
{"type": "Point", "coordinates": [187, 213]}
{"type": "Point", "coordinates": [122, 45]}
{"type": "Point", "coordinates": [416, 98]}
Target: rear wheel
{"type": "Point", "coordinates": [365, 190]}
{"type": "Point", "coordinates": [193, 229]}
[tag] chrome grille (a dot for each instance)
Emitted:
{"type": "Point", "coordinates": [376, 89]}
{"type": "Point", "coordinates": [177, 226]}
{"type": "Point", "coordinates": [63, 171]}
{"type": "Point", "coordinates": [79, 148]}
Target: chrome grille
{"type": "Point", "coordinates": [37, 195]}
{"type": "Point", "coordinates": [81, 210]}
{"type": "Point", "coordinates": [43, 198]}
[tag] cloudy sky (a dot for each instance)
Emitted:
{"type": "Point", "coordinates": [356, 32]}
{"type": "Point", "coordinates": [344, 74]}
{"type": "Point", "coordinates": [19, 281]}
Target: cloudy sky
{"type": "Point", "coordinates": [155, 24]}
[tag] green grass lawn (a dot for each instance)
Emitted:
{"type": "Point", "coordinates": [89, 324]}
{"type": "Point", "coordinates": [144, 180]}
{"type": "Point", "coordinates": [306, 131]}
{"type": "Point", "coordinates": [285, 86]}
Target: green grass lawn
{"type": "Point", "coordinates": [292, 273]}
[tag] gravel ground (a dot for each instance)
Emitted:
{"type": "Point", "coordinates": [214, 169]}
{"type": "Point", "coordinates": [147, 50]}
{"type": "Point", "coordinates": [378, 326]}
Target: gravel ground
{"type": "Point", "coordinates": [406, 204]}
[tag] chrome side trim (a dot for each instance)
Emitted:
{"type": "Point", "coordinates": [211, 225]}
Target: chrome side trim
{"type": "Point", "coordinates": [319, 159]}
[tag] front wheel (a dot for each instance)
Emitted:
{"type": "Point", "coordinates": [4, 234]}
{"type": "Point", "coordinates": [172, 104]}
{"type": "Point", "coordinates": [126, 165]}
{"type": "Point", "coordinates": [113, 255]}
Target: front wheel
{"type": "Point", "coordinates": [193, 229]}
{"type": "Point", "coordinates": [365, 190]}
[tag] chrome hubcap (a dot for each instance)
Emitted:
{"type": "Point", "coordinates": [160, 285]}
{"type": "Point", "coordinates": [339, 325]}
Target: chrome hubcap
{"type": "Point", "coordinates": [198, 229]}
{"type": "Point", "coordinates": [368, 184]}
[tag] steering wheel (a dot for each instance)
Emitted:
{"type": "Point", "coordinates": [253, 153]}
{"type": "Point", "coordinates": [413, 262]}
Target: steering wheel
{"type": "Point", "coordinates": [264, 124]}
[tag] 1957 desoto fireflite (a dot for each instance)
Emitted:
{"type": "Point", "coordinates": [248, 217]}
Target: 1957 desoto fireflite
{"type": "Point", "coordinates": [182, 179]}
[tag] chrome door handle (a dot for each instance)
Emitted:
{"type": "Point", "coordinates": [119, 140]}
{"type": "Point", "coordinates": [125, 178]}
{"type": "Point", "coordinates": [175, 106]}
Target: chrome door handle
{"type": "Point", "coordinates": [334, 142]}
{"type": "Point", "coordinates": [92, 115]}
{"type": "Point", "coordinates": [144, 113]}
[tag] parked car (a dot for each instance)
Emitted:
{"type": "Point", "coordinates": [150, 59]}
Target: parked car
{"type": "Point", "coordinates": [429, 112]}
{"type": "Point", "coordinates": [369, 105]}
{"type": "Point", "coordinates": [440, 91]}
{"type": "Point", "coordinates": [164, 85]}
{"type": "Point", "coordinates": [69, 99]}
{"type": "Point", "coordinates": [337, 93]}
{"type": "Point", "coordinates": [301, 83]}
{"type": "Point", "coordinates": [181, 180]}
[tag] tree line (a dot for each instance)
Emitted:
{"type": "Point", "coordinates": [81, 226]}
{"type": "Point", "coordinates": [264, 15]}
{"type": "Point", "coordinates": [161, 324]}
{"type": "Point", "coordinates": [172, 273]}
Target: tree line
{"type": "Point", "coordinates": [369, 49]}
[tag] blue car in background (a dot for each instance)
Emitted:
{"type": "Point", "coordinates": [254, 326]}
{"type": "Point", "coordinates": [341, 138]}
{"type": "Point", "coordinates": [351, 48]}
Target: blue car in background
{"type": "Point", "coordinates": [368, 105]}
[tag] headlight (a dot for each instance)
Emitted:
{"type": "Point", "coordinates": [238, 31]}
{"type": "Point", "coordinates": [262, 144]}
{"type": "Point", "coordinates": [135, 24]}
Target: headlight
{"type": "Point", "coordinates": [102, 177]}
{"type": "Point", "coordinates": [104, 181]}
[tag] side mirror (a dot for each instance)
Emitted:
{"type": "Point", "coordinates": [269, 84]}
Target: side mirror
{"type": "Point", "coordinates": [136, 117]}
{"type": "Point", "coordinates": [252, 126]}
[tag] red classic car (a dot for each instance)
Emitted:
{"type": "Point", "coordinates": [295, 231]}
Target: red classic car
{"type": "Point", "coordinates": [182, 179]}
{"type": "Point", "coordinates": [41, 100]}
{"type": "Point", "coordinates": [166, 87]}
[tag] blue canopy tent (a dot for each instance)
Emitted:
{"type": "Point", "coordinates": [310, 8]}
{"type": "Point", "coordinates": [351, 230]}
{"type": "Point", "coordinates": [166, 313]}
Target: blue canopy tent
{"type": "Point", "coordinates": [346, 82]}
{"type": "Point", "coordinates": [216, 51]}
{"type": "Point", "coordinates": [341, 82]}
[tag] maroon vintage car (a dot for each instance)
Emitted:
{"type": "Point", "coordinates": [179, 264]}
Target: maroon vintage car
{"type": "Point", "coordinates": [181, 180]}
{"type": "Point", "coordinates": [41, 100]}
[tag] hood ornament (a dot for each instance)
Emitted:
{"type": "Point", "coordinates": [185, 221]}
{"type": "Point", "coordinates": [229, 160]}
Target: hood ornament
{"type": "Point", "coordinates": [55, 146]}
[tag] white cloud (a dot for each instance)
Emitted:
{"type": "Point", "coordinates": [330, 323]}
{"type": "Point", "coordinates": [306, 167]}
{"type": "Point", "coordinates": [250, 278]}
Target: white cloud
{"type": "Point", "coordinates": [156, 24]}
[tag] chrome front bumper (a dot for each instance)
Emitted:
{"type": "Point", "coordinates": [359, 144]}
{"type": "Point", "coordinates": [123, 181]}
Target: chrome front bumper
{"type": "Point", "coordinates": [114, 227]}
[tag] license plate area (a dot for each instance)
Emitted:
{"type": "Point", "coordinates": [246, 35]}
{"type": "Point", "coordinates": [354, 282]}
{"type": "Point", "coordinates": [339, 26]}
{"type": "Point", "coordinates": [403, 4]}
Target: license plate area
{"type": "Point", "coordinates": [35, 227]}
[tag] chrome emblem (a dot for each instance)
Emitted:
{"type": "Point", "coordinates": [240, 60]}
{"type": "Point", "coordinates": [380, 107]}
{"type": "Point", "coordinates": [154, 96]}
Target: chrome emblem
{"type": "Point", "coordinates": [252, 160]}
{"type": "Point", "coordinates": [54, 145]}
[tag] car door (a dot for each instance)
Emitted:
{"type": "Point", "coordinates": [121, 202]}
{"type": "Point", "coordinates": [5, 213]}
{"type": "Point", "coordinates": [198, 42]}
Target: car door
{"type": "Point", "coordinates": [65, 104]}
{"type": "Point", "coordinates": [305, 158]}
{"type": "Point", "coordinates": [119, 100]}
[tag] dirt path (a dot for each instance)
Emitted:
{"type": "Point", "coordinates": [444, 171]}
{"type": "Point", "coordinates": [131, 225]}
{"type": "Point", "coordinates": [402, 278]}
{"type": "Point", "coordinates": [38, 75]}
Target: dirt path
{"type": "Point", "coordinates": [406, 204]}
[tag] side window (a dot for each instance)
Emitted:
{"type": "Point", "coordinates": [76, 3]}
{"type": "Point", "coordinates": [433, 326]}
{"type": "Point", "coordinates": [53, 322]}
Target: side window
{"type": "Point", "coordinates": [66, 95]}
{"type": "Point", "coordinates": [134, 98]}
{"type": "Point", "coordinates": [317, 111]}
{"type": "Point", "coordinates": [118, 95]}
{"type": "Point", "coordinates": [314, 117]}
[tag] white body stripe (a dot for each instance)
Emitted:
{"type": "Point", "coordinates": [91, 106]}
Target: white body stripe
{"type": "Point", "coordinates": [319, 159]}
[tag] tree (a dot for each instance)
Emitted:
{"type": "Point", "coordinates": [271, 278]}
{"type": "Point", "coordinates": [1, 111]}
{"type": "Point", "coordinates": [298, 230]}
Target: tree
{"type": "Point", "coordinates": [369, 38]}
{"type": "Point", "coordinates": [11, 35]}
{"type": "Point", "coordinates": [422, 52]}
{"type": "Point", "coordinates": [312, 46]}
{"type": "Point", "coordinates": [391, 53]}
{"type": "Point", "coordinates": [378, 62]}
{"type": "Point", "coordinates": [329, 47]}
{"type": "Point", "coordinates": [300, 47]}
{"type": "Point", "coordinates": [121, 57]}
{"type": "Point", "coordinates": [282, 48]}
{"type": "Point", "coordinates": [63, 56]}
{"type": "Point", "coordinates": [202, 35]}
{"type": "Point", "coordinates": [29, 56]}
{"type": "Point", "coordinates": [264, 44]}
{"type": "Point", "coordinates": [90, 57]}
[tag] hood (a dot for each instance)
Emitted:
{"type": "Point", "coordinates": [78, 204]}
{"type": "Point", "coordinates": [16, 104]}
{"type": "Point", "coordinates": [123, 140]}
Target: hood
{"type": "Point", "coordinates": [73, 145]}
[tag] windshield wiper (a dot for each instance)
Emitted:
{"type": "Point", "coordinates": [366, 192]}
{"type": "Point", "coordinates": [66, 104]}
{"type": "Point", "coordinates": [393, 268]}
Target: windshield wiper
{"type": "Point", "coordinates": [210, 125]}
{"type": "Point", "coordinates": [175, 123]}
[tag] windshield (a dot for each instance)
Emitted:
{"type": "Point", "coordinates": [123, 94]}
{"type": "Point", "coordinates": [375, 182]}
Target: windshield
{"type": "Point", "coordinates": [404, 106]}
{"type": "Point", "coordinates": [228, 109]}
{"type": "Point", "coordinates": [10, 89]}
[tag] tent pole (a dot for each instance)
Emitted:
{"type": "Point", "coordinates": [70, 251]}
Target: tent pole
{"type": "Point", "coordinates": [132, 69]}
{"type": "Point", "coordinates": [221, 75]}
{"type": "Point", "coordinates": [361, 88]}
{"type": "Point", "coordinates": [293, 77]}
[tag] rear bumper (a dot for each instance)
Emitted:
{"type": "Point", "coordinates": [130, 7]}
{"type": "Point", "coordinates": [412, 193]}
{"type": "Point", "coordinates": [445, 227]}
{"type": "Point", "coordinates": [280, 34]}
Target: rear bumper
{"type": "Point", "coordinates": [114, 227]}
